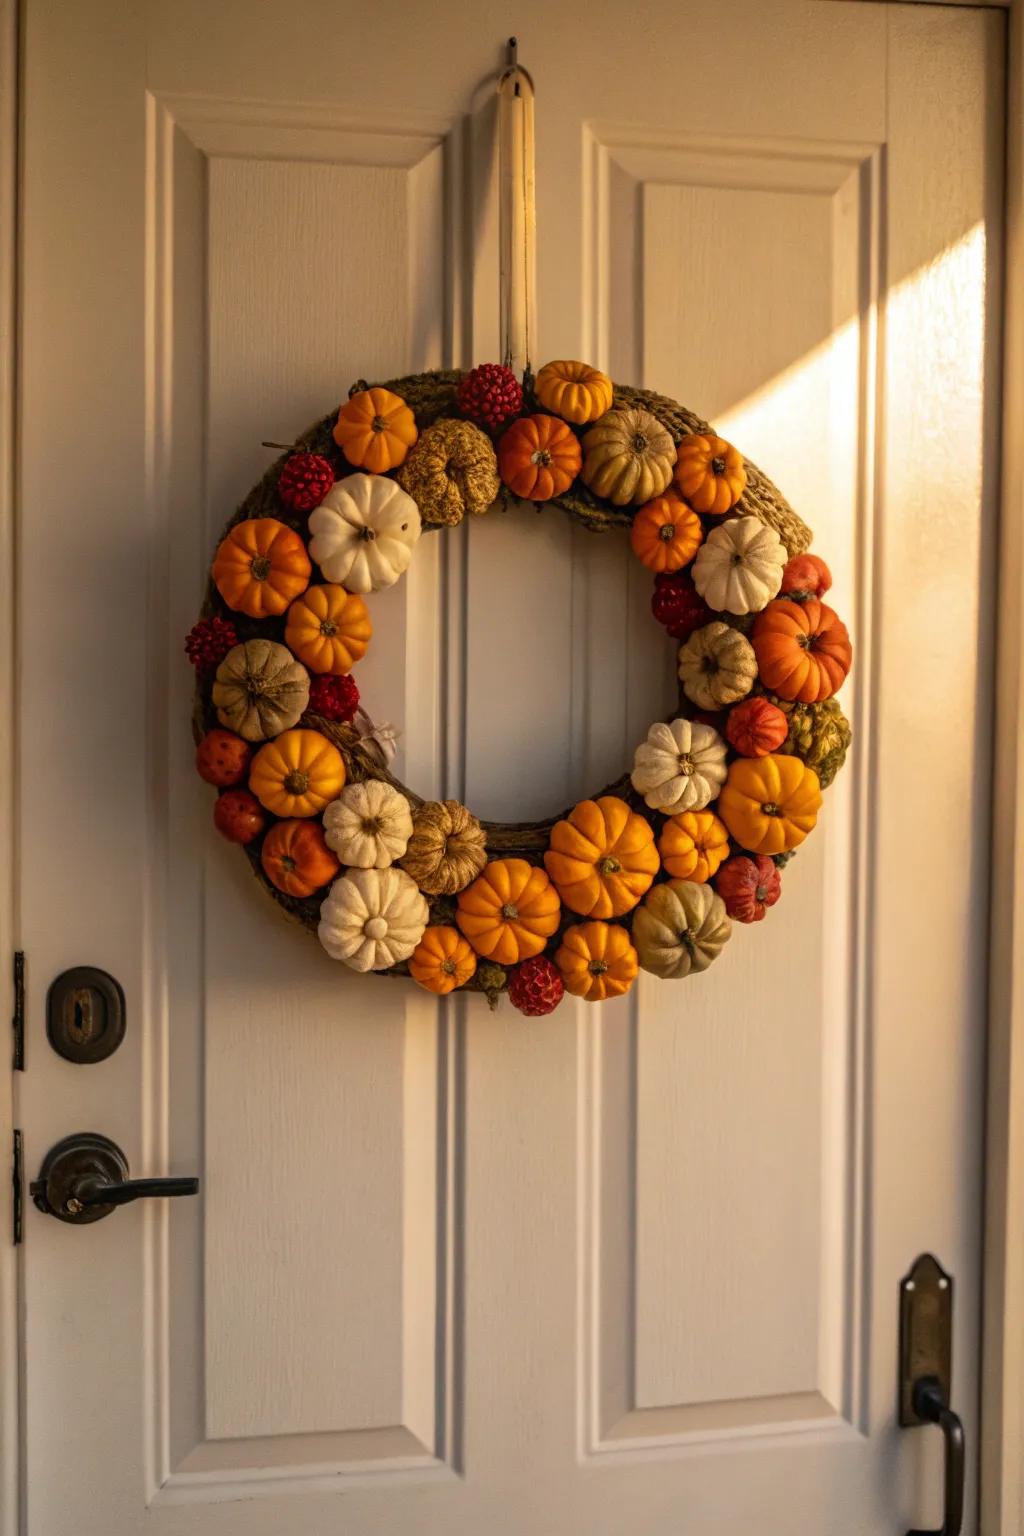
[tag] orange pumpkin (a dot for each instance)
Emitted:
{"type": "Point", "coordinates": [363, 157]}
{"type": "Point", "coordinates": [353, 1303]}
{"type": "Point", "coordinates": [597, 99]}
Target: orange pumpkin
{"type": "Point", "coordinates": [803, 650]}
{"type": "Point", "coordinates": [693, 845]}
{"type": "Point", "coordinates": [328, 628]}
{"type": "Point", "coordinates": [297, 773]}
{"type": "Point", "coordinates": [509, 912]}
{"type": "Point", "coordinates": [769, 804]}
{"type": "Point", "coordinates": [709, 473]}
{"type": "Point", "coordinates": [756, 727]}
{"type": "Point", "coordinates": [442, 961]}
{"type": "Point", "coordinates": [665, 534]}
{"type": "Point", "coordinates": [602, 858]}
{"type": "Point", "coordinates": [375, 430]}
{"type": "Point", "coordinates": [597, 960]}
{"type": "Point", "coordinates": [296, 858]}
{"type": "Point", "coordinates": [260, 566]}
{"type": "Point", "coordinates": [805, 576]}
{"type": "Point", "coordinates": [539, 457]}
{"type": "Point", "coordinates": [574, 391]}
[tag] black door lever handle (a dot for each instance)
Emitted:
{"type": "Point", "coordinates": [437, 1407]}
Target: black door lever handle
{"type": "Point", "coordinates": [85, 1177]}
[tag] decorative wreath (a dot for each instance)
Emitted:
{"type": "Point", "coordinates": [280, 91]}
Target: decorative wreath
{"type": "Point", "coordinates": [649, 874]}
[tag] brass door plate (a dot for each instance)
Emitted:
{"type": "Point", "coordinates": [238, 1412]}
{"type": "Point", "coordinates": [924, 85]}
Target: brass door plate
{"type": "Point", "coordinates": [926, 1333]}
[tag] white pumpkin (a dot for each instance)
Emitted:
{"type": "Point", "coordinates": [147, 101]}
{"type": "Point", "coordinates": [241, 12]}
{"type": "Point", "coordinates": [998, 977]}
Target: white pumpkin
{"type": "Point", "coordinates": [680, 767]}
{"type": "Point", "coordinates": [738, 568]}
{"type": "Point", "coordinates": [369, 825]}
{"type": "Point", "coordinates": [372, 918]}
{"type": "Point", "coordinates": [680, 929]}
{"type": "Point", "coordinates": [363, 533]}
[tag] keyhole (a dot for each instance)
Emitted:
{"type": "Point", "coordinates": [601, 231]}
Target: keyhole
{"type": "Point", "coordinates": [81, 1022]}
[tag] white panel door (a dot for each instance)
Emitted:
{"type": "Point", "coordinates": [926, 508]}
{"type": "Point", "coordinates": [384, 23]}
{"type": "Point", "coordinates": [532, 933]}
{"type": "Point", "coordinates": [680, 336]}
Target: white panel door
{"type": "Point", "coordinates": [624, 1270]}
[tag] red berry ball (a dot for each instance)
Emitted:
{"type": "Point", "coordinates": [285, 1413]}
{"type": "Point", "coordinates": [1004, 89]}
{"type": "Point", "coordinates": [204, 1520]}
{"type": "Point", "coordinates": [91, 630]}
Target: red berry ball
{"type": "Point", "coordinates": [490, 395]}
{"type": "Point", "coordinates": [222, 758]}
{"type": "Point", "coordinates": [238, 816]}
{"type": "Point", "coordinates": [678, 605]}
{"type": "Point", "coordinates": [535, 987]}
{"type": "Point", "coordinates": [335, 698]}
{"type": "Point", "coordinates": [305, 480]}
{"type": "Point", "coordinates": [208, 642]}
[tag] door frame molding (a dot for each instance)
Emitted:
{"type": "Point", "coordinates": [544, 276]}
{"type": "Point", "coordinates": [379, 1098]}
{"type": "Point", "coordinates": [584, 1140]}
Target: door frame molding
{"type": "Point", "coordinates": [10, 1361]}
{"type": "Point", "coordinates": [1002, 1408]}
{"type": "Point", "coordinates": [1002, 1441]}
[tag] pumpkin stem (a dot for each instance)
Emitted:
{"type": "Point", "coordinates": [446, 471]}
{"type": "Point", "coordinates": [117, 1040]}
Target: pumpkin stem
{"type": "Point", "coordinates": [688, 941]}
{"type": "Point", "coordinates": [287, 861]}
{"type": "Point", "coordinates": [609, 866]}
{"type": "Point", "coordinates": [328, 627]}
{"type": "Point", "coordinates": [541, 456]}
{"type": "Point", "coordinates": [371, 825]}
{"type": "Point", "coordinates": [448, 967]}
{"type": "Point", "coordinates": [686, 762]}
{"type": "Point", "coordinates": [259, 566]}
{"type": "Point", "coordinates": [367, 534]}
{"type": "Point", "coordinates": [296, 782]}
{"type": "Point", "coordinates": [770, 808]}
{"type": "Point", "coordinates": [640, 442]}
{"type": "Point", "coordinates": [379, 424]}
{"type": "Point", "coordinates": [760, 893]}
{"type": "Point", "coordinates": [718, 465]}
{"type": "Point", "coordinates": [667, 532]}
{"type": "Point", "coordinates": [509, 911]}
{"type": "Point", "coordinates": [597, 967]}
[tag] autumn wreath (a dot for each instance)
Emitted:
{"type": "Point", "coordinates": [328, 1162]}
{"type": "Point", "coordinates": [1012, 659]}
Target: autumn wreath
{"type": "Point", "coordinates": [649, 874]}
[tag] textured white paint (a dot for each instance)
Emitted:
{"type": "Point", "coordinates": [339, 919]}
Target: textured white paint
{"type": "Point", "coordinates": [443, 1258]}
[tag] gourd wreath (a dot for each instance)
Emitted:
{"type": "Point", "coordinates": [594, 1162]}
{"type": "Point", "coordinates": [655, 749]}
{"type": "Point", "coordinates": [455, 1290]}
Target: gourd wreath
{"type": "Point", "coordinates": [651, 873]}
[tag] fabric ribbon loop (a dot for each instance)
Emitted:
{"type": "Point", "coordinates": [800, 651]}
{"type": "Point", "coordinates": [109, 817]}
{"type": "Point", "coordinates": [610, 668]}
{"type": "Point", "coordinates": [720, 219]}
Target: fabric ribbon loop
{"type": "Point", "coordinates": [518, 214]}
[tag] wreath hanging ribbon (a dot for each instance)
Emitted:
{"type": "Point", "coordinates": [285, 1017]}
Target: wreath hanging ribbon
{"type": "Point", "coordinates": [649, 874]}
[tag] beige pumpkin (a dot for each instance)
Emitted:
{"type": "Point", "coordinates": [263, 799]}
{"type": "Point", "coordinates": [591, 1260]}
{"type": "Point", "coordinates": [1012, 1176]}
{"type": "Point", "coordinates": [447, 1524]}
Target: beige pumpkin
{"type": "Point", "coordinates": [363, 533]}
{"type": "Point", "coordinates": [260, 690]}
{"type": "Point", "coordinates": [717, 666]}
{"type": "Point", "coordinates": [369, 825]}
{"type": "Point", "coordinates": [680, 766]}
{"type": "Point", "coordinates": [372, 918]}
{"type": "Point", "coordinates": [628, 457]}
{"type": "Point", "coordinates": [680, 929]}
{"type": "Point", "coordinates": [739, 566]}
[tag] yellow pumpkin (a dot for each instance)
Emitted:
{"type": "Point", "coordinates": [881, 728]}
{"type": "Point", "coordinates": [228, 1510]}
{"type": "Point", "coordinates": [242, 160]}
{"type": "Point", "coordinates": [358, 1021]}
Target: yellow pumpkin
{"type": "Point", "coordinates": [602, 858]}
{"type": "Point", "coordinates": [509, 912]}
{"type": "Point", "coordinates": [328, 628]}
{"type": "Point", "coordinates": [709, 473]}
{"type": "Point", "coordinates": [596, 961]}
{"type": "Point", "coordinates": [442, 961]}
{"type": "Point", "coordinates": [298, 773]}
{"type": "Point", "coordinates": [375, 430]}
{"type": "Point", "coordinates": [693, 845]}
{"type": "Point", "coordinates": [574, 391]}
{"type": "Point", "coordinates": [769, 804]}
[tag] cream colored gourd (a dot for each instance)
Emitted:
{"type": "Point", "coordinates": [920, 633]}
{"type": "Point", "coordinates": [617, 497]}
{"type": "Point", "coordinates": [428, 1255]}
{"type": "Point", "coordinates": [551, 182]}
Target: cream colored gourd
{"type": "Point", "coordinates": [369, 825]}
{"type": "Point", "coordinates": [679, 767]}
{"type": "Point", "coordinates": [680, 929]}
{"type": "Point", "coordinates": [363, 533]}
{"type": "Point", "coordinates": [739, 566]}
{"type": "Point", "coordinates": [717, 666]}
{"type": "Point", "coordinates": [260, 690]}
{"type": "Point", "coordinates": [628, 457]}
{"type": "Point", "coordinates": [372, 918]}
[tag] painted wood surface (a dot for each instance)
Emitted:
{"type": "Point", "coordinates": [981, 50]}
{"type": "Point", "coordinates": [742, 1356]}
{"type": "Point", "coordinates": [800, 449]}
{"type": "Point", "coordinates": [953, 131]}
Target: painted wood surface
{"type": "Point", "coordinates": [622, 1269]}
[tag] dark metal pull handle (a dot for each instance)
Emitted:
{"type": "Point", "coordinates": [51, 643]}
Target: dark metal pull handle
{"type": "Point", "coordinates": [85, 1177]}
{"type": "Point", "coordinates": [930, 1404]}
